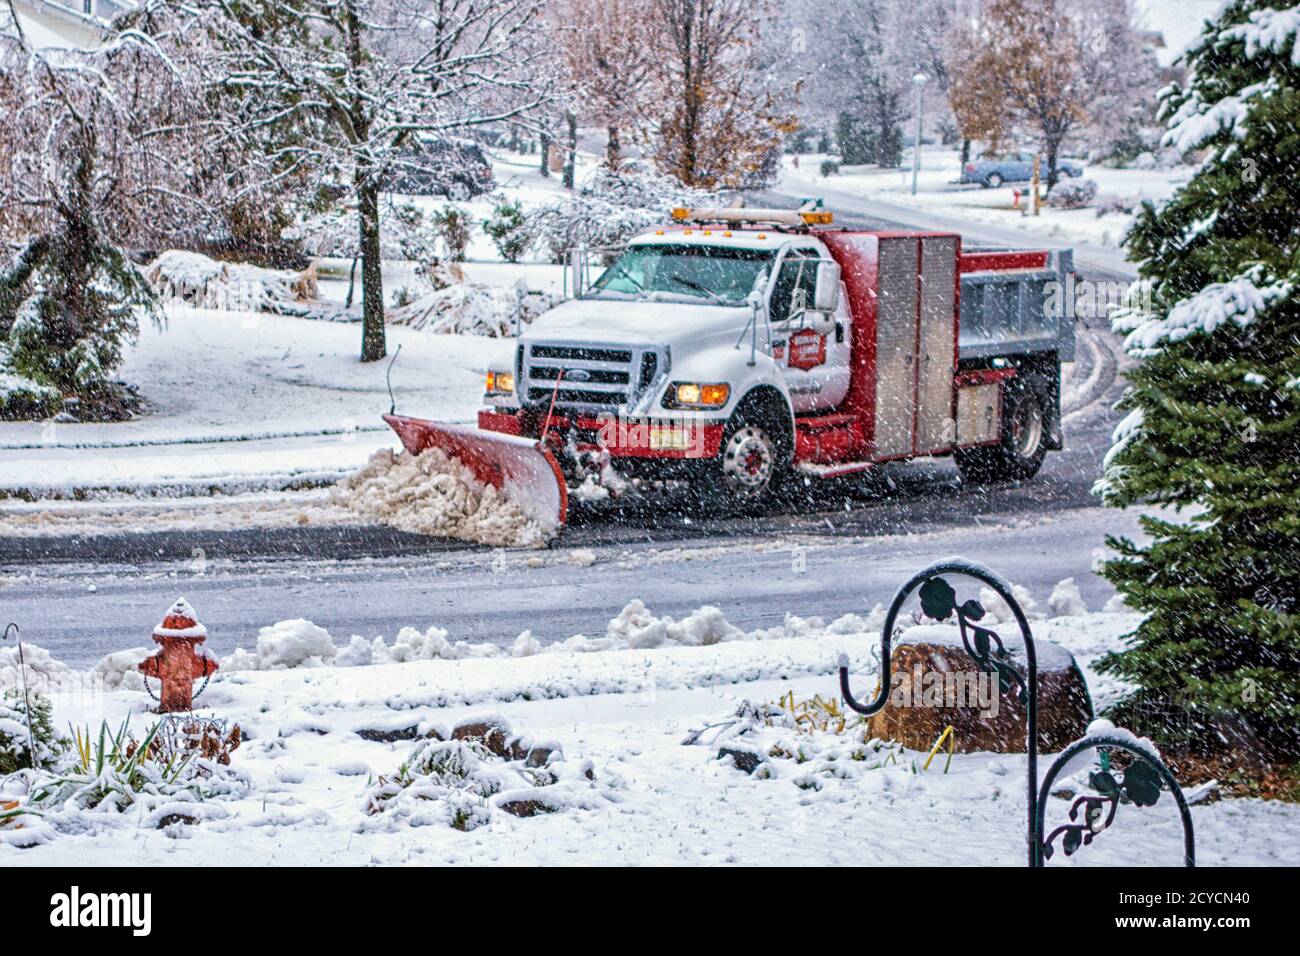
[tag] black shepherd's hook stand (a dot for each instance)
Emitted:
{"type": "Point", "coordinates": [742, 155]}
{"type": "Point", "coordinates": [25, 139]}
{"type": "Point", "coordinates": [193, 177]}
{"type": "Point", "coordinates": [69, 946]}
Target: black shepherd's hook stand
{"type": "Point", "coordinates": [939, 602]}
{"type": "Point", "coordinates": [27, 699]}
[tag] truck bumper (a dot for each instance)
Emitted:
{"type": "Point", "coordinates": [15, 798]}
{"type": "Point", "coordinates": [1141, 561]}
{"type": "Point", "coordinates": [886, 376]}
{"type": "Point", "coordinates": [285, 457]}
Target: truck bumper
{"type": "Point", "coordinates": [672, 439]}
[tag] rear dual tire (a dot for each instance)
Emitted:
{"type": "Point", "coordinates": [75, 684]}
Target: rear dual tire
{"type": "Point", "coordinates": [1023, 443]}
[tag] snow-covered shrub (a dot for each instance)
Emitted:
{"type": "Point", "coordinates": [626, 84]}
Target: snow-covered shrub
{"type": "Point", "coordinates": [829, 168]}
{"type": "Point", "coordinates": [22, 399]}
{"type": "Point", "coordinates": [70, 303]}
{"type": "Point", "coordinates": [1119, 205]}
{"type": "Point", "coordinates": [505, 229]}
{"type": "Point", "coordinates": [112, 772]}
{"type": "Point", "coordinates": [443, 781]}
{"type": "Point", "coordinates": [474, 309]}
{"type": "Point", "coordinates": [403, 296]}
{"type": "Point", "coordinates": [71, 300]}
{"type": "Point", "coordinates": [15, 749]}
{"type": "Point", "coordinates": [193, 279]}
{"type": "Point", "coordinates": [461, 783]}
{"type": "Point", "coordinates": [453, 227]}
{"type": "Point", "coordinates": [1073, 193]}
{"type": "Point", "coordinates": [609, 208]}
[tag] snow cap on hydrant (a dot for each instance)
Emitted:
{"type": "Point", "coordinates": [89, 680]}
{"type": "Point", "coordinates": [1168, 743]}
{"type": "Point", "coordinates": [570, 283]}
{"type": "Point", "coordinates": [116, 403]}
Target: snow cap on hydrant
{"type": "Point", "coordinates": [181, 660]}
{"type": "Point", "coordinates": [180, 621]}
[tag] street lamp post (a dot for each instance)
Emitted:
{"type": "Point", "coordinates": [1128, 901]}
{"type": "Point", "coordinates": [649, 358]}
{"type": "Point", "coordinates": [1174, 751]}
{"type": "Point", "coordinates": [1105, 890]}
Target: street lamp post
{"type": "Point", "coordinates": [919, 82]}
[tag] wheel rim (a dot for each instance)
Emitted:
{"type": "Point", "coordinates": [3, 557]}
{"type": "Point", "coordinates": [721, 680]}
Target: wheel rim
{"type": "Point", "coordinates": [995, 181]}
{"type": "Point", "coordinates": [1027, 428]}
{"type": "Point", "coordinates": [458, 192]}
{"type": "Point", "coordinates": [747, 462]}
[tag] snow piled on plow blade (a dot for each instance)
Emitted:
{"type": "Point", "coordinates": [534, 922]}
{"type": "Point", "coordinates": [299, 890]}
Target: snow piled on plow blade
{"type": "Point", "coordinates": [460, 482]}
{"type": "Point", "coordinates": [432, 493]}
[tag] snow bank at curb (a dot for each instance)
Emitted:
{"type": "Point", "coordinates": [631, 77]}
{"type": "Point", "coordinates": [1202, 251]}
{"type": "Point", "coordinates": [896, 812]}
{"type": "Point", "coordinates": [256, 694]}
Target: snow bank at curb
{"type": "Point", "coordinates": [300, 643]}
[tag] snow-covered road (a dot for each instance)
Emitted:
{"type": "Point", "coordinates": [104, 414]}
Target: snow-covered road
{"type": "Point", "coordinates": [83, 611]}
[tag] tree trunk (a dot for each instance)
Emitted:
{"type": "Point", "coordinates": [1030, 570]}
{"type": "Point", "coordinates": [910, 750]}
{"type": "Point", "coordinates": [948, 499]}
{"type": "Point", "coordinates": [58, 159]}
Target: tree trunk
{"type": "Point", "coordinates": [352, 283]}
{"type": "Point", "coordinates": [571, 162]}
{"type": "Point", "coordinates": [544, 167]}
{"type": "Point", "coordinates": [1053, 149]}
{"type": "Point", "coordinates": [965, 151]}
{"type": "Point", "coordinates": [612, 148]}
{"type": "Point", "coordinates": [373, 344]}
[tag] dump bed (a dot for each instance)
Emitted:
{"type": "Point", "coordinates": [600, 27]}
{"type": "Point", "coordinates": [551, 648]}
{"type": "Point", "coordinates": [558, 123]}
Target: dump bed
{"type": "Point", "coordinates": [1011, 303]}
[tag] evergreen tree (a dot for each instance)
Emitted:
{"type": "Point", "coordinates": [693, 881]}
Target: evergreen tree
{"type": "Point", "coordinates": [70, 300]}
{"type": "Point", "coordinates": [1214, 407]}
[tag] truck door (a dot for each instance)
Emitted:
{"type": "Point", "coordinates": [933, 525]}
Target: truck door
{"type": "Point", "coordinates": [816, 364]}
{"type": "Point", "coordinates": [915, 345]}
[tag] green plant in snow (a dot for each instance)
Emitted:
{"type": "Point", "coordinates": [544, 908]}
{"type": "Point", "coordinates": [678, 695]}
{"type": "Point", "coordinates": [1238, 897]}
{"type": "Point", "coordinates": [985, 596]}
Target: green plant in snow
{"type": "Point", "coordinates": [453, 227]}
{"type": "Point", "coordinates": [505, 228]}
{"type": "Point", "coordinates": [15, 751]}
{"type": "Point", "coordinates": [111, 770]}
{"type": "Point", "coordinates": [71, 301]}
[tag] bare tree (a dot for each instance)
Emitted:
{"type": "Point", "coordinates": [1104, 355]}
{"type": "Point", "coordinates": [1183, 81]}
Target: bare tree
{"type": "Point", "coordinates": [609, 55]}
{"type": "Point", "coordinates": [362, 80]}
{"type": "Point", "coordinates": [1054, 68]}
{"type": "Point", "coordinates": [715, 117]}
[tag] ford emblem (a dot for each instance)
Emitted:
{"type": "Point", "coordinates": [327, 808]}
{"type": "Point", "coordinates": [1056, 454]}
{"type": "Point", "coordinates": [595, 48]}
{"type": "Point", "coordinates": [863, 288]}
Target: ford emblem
{"type": "Point", "coordinates": [577, 375]}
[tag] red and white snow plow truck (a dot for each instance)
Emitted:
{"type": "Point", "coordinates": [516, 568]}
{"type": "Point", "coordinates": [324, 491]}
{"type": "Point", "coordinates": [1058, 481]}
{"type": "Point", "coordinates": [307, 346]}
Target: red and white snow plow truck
{"type": "Point", "coordinates": [738, 349]}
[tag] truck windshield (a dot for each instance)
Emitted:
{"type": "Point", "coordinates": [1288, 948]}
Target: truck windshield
{"type": "Point", "coordinates": [717, 274]}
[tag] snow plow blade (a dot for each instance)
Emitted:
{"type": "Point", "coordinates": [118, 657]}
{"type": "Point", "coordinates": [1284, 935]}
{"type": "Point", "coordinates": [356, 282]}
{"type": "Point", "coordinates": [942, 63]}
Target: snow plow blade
{"type": "Point", "coordinates": [522, 468]}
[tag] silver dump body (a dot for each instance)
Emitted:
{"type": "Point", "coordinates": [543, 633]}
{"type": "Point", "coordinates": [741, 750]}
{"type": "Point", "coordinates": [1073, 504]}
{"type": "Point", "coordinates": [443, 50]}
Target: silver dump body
{"type": "Point", "coordinates": [1018, 311]}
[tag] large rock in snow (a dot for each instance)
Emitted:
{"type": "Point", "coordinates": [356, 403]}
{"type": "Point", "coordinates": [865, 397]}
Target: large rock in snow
{"type": "Point", "coordinates": [936, 683]}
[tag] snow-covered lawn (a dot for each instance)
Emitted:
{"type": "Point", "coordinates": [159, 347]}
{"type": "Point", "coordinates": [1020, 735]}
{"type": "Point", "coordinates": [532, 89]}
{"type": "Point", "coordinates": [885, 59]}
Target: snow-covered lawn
{"type": "Point", "coordinates": [305, 774]}
{"type": "Point", "coordinates": [939, 193]}
{"type": "Point", "coordinates": [244, 401]}
{"type": "Point", "coordinates": [257, 397]}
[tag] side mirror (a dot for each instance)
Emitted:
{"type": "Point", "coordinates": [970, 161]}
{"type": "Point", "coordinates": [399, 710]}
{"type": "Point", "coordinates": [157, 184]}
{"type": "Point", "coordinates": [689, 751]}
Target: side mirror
{"type": "Point", "coordinates": [826, 298]}
{"type": "Point", "coordinates": [575, 271]}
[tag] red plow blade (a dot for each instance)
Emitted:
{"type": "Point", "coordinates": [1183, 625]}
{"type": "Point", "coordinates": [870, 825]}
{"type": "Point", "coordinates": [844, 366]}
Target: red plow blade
{"type": "Point", "coordinates": [522, 468]}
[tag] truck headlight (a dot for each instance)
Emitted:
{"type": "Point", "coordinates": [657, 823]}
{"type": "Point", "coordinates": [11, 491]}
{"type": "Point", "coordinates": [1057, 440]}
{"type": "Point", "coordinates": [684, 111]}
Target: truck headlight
{"type": "Point", "coordinates": [500, 383]}
{"type": "Point", "coordinates": [697, 395]}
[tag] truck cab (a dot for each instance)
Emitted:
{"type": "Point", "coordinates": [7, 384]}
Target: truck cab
{"type": "Point", "coordinates": [740, 348]}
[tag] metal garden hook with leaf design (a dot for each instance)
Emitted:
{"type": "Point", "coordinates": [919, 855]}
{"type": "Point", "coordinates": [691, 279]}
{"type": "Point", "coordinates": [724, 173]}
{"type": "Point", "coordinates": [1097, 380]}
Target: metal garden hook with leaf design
{"type": "Point", "coordinates": [1139, 785]}
{"type": "Point", "coordinates": [939, 602]}
{"type": "Point", "coordinates": [1089, 814]}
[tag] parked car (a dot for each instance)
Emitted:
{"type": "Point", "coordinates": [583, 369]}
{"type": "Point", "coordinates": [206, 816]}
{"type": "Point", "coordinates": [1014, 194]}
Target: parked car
{"type": "Point", "coordinates": [456, 169]}
{"type": "Point", "coordinates": [992, 172]}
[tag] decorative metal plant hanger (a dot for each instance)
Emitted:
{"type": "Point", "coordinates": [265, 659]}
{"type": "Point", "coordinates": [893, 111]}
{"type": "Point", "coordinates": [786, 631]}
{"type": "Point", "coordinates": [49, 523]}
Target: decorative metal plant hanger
{"type": "Point", "coordinates": [1141, 782]}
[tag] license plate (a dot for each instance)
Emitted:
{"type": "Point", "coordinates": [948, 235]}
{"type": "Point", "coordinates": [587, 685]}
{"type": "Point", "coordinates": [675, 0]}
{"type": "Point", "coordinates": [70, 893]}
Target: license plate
{"type": "Point", "coordinates": [671, 439]}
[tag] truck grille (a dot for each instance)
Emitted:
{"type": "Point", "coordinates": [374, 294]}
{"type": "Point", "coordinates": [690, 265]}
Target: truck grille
{"type": "Point", "coordinates": [596, 378]}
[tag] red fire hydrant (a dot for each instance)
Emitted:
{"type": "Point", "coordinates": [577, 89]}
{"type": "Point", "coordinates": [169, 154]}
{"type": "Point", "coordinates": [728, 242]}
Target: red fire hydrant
{"type": "Point", "coordinates": [181, 661]}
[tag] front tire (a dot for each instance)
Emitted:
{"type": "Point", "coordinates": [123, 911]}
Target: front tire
{"type": "Point", "coordinates": [1020, 452]}
{"type": "Point", "coordinates": [753, 463]}
{"type": "Point", "coordinates": [458, 191]}
{"type": "Point", "coordinates": [993, 181]}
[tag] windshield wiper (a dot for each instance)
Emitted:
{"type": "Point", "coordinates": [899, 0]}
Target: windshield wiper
{"type": "Point", "coordinates": [628, 276]}
{"type": "Point", "coordinates": [692, 284]}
